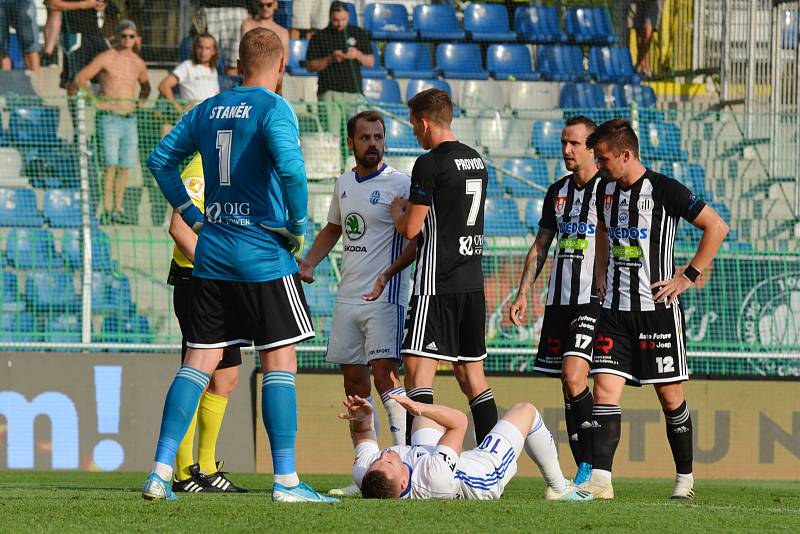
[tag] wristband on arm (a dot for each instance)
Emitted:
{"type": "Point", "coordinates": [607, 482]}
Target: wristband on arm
{"type": "Point", "coordinates": [691, 273]}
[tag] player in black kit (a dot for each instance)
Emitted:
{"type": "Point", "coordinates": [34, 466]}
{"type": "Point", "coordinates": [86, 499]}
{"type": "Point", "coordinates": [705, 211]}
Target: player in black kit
{"type": "Point", "coordinates": [641, 335]}
{"type": "Point", "coordinates": [568, 332]}
{"type": "Point", "coordinates": [447, 316]}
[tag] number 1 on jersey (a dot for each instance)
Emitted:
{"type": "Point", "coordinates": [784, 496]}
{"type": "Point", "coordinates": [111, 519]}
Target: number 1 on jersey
{"type": "Point", "coordinates": [474, 188]}
{"type": "Point", "coordinates": [224, 138]}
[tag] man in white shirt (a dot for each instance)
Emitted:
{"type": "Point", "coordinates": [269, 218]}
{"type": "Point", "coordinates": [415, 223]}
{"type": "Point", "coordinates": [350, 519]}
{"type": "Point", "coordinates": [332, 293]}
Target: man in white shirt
{"type": "Point", "coordinates": [373, 290]}
{"type": "Point", "coordinates": [436, 468]}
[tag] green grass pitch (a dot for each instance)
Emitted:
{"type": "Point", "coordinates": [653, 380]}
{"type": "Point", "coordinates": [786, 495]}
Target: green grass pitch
{"type": "Point", "coordinates": [110, 502]}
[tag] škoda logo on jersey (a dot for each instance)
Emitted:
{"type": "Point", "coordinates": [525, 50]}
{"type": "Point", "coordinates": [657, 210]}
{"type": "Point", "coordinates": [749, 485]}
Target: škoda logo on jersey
{"type": "Point", "coordinates": [354, 226]}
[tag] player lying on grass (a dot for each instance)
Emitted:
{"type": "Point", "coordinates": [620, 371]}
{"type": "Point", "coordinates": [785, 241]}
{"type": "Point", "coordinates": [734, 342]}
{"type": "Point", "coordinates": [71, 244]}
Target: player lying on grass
{"type": "Point", "coordinates": [436, 468]}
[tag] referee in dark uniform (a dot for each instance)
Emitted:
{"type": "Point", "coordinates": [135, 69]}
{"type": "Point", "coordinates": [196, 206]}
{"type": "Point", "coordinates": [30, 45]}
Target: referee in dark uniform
{"type": "Point", "coordinates": [446, 318]}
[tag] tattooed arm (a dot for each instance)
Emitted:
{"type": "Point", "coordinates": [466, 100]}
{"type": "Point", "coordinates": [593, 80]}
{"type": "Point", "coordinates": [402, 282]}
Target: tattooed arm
{"type": "Point", "coordinates": [537, 253]}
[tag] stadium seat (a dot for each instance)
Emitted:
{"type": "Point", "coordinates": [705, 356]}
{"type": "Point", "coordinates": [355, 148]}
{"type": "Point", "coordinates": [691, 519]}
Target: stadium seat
{"type": "Point", "coordinates": [562, 63]}
{"type": "Point", "coordinates": [19, 327]}
{"type": "Point", "coordinates": [388, 22]}
{"type": "Point", "coordinates": [612, 64]}
{"type": "Point", "coordinates": [50, 291]}
{"type": "Point", "coordinates": [18, 208]}
{"type": "Point", "coordinates": [488, 23]}
{"type": "Point", "coordinates": [494, 189]}
{"type": "Point", "coordinates": [376, 70]}
{"type": "Point", "coordinates": [32, 248]}
{"type": "Point", "coordinates": [533, 213]}
{"type": "Point", "coordinates": [14, 51]}
{"type": "Point", "coordinates": [351, 10]}
{"type": "Point", "coordinates": [539, 24]}
{"type": "Point", "coordinates": [9, 298]}
{"type": "Point", "coordinates": [501, 218]}
{"type": "Point", "coordinates": [790, 27]}
{"type": "Point", "coordinates": [460, 61]}
{"type": "Point", "coordinates": [111, 293]}
{"type": "Point", "coordinates": [437, 22]}
{"type": "Point", "coordinates": [130, 328]}
{"type": "Point", "coordinates": [722, 209]}
{"type": "Point", "coordinates": [381, 90]}
{"type": "Point", "coordinates": [624, 95]}
{"type": "Point", "coordinates": [691, 175]}
{"type": "Point", "coordinates": [546, 138]}
{"type": "Point", "coordinates": [72, 245]}
{"type": "Point", "coordinates": [466, 130]}
{"type": "Point", "coordinates": [63, 328]}
{"type": "Point", "coordinates": [321, 297]}
{"type": "Point", "coordinates": [589, 25]}
{"type": "Point", "coordinates": [503, 137]}
{"type": "Point", "coordinates": [506, 62]}
{"type": "Point", "coordinates": [297, 58]}
{"type": "Point", "coordinates": [400, 138]}
{"type": "Point", "coordinates": [532, 171]}
{"type": "Point", "coordinates": [660, 141]}
{"type": "Point", "coordinates": [33, 125]}
{"type": "Point", "coordinates": [409, 60]}
{"type": "Point", "coordinates": [62, 208]}
{"type": "Point", "coordinates": [417, 85]}
{"type": "Point", "coordinates": [582, 96]}
{"type": "Point", "coordinates": [11, 167]}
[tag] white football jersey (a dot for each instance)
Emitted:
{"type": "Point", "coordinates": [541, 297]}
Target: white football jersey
{"type": "Point", "coordinates": [433, 469]}
{"type": "Point", "coordinates": [360, 205]}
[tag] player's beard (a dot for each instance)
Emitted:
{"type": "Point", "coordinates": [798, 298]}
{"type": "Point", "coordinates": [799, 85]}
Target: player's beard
{"type": "Point", "coordinates": [369, 159]}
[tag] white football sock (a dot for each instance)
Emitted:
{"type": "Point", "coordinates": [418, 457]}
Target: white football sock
{"type": "Point", "coordinates": [601, 475]}
{"type": "Point", "coordinates": [397, 415]}
{"type": "Point", "coordinates": [541, 448]}
{"type": "Point", "coordinates": [291, 480]}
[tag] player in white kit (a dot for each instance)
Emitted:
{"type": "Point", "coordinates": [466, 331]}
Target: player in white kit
{"type": "Point", "coordinates": [373, 290]}
{"type": "Point", "coordinates": [436, 468]}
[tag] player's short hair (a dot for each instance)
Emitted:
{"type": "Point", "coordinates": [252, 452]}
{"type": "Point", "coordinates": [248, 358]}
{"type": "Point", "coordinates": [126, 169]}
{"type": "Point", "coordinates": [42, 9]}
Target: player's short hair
{"type": "Point", "coordinates": [369, 116]}
{"type": "Point", "coordinates": [588, 123]}
{"type": "Point", "coordinates": [338, 6]}
{"type": "Point", "coordinates": [126, 24]}
{"type": "Point", "coordinates": [375, 485]}
{"type": "Point", "coordinates": [260, 48]}
{"type": "Point", "coordinates": [617, 134]}
{"type": "Point", "coordinates": [214, 58]}
{"type": "Point", "coordinates": [432, 104]}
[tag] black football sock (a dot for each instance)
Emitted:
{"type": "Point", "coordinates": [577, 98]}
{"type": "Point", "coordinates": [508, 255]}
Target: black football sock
{"type": "Point", "coordinates": [608, 418]}
{"type": "Point", "coordinates": [572, 432]}
{"type": "Point", "coordinates": [582, 405]}
{"type": "Point", "coordinates": [484, 414]}
{"type": "Point", "coordinates": [679, 435]}
{"type": "Point", "coordinates": [423, 395]}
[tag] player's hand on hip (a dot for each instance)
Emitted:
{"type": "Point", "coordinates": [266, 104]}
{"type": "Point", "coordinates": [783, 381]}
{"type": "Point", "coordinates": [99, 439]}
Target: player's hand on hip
{"type": "Point", "coordinates": [412, 407]}
{"type": "Point", "coordinates": [670, 289]}
{"type": "Point", "coordinates": [296, 242]}
{"type": "Point", "coordinates": [377, 289]}
{"type": "Point", "coordinates": [518, 308]}
{"type": "Point", "coordinates": [306, 271]}
{"type": "Point", "coordinates": [358, 409]}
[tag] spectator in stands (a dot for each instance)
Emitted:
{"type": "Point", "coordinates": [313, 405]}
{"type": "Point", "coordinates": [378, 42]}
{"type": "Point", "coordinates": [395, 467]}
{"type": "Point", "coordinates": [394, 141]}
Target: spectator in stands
{"type": "Point", "coordinates": [646, 20]}
{"type": "Point", "coordinates": [264, 17]}
{"type": "Point", "coordinates": [337, 53]}
{"type": "Point", "coordinates": [20, 14]}
{"type": "Point", "coordinates": [196, 78]}
{"type": "Point", "coordinates": [81, 37]}
{"type": "Point", "coordinates": [52, 32]}
{"type": "Point", "coordinates": [308, 16]}
{"type": "Point", "coordinates": [120, 69]}
{"type": "Point", "coordinates": [224, 20]}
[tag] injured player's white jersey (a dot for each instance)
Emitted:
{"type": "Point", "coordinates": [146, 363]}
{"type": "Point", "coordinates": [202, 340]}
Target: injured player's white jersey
{"type": "Point", "coordinates": [432, 467]}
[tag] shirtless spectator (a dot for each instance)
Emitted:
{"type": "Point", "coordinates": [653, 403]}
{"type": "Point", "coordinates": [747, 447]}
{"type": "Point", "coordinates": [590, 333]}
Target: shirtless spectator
{"type": "Point", "coordinates": [120, 69]}
{"type": "Point", "coordinates": [265, 18]}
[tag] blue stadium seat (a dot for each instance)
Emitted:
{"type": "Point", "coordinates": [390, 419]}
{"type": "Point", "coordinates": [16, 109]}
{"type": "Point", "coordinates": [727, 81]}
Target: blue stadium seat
{"type": "Point", "coordinates": [589, 25]}
{"type": "Point", "coordinates": [623, 95]}
{"type": "Point", "coordinates": [50, 290]}
{"type": "Point", "coordinates": [321, 297]}
{"type": "Point", "coordinates": [130, 328]}
{"type": "Point", "coordinates": [32, 248]}
{"type": "Point", "coordinates": [409, 60]}
{"type": "Point", "coordinates": [72, 244]}
{"type": "Point", "coordinates": [416, 86]}
{"type": "Point", "coordinates": [18, 208]}
{"type": "Point", "coordinates": [511, 62]}
{"type": "Point", "coordinates": [9, 298]}
{"type": "Point", "coordinates": [582, 96]}
{"type": "Point", "coordinates": [400, 138]}
{"type": "Point", "coordinates": [63, 328]}
{"type": "Point", "coordinates": [388, 21]}
{"type": "Point", "coordinates": [283, 15]}
{"type": "Point", "coordinates": [546, 138]}
{"type": "Point", "coordinates": [660, 141]}
{"type": "Point", "coordinates": [460, 61]}
{"type": "Point", "coordinates": [18, 327]}
{"type": "Point", "coordinates": [562, 63]}
{"type": "Point", "coordinates": [437, 22]}
{"type": "Point", "coordinates": [297, 58]}
{"type": "Point", "coordinates": [111, 293]}
{"type": "Point", "coordinates": [488, 23]}
{"type": "Point", "coordinates": [33, 125]}
{"type": "Point", "coordinates": [14, 51]}
{"type": "Point", "coordinates": [723, 210]}
{"type": "Point", "coordinates": [385, 91]}
{"type": "Point", "coordinates": [532, 170]}
{"type": "Point", "coordinates": [692, 175]}
{"type": "Point", "coordinates": [790, 27]}
{"type": "Point", "coordinates": [539, 24]}
{"type": "Point", "coordinates": [612, 64]}
{"type": "Point", "coordinates": [494, 188]}
{"type": "Point", "coordinates": [533, 213]}
{"type": "Point", "coordinates": [351, 10]}
{"type": "Point", "coordinates": [376, 70]}
{"type": "Point", "coordinates": [62, 208]}
{"type": "Point", "coordinates": [501, 218]}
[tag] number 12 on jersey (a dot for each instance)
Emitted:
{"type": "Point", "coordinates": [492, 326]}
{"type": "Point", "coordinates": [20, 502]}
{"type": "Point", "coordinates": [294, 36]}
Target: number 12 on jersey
{"type": "Point", "coordinates": [224, 139]}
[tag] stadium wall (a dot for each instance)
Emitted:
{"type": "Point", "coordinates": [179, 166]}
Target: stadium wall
{"type": "Point", "coordinates": [101, 412]}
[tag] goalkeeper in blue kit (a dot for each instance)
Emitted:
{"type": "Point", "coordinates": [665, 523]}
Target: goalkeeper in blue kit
{"type": "Point", "coordinates": [246, 289]}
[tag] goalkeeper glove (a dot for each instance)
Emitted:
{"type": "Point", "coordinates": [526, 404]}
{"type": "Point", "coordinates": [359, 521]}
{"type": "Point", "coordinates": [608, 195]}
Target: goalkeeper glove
{"type": "Point", "coordinates": [295, 237]}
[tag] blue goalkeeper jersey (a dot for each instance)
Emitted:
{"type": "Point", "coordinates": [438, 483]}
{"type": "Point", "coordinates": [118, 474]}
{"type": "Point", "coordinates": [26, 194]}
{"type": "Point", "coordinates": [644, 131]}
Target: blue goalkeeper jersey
{"type": "Point", "coordinates": [255, 176]}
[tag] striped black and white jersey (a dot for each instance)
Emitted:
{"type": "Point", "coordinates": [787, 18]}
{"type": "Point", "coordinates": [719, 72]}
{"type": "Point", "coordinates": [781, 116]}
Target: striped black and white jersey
{"type": "Point", "coordinates": [641, 221]}
{"type": "Point", "coordinates": [451, 179]}
{"type": "Point", "coordinates": [571, 212]}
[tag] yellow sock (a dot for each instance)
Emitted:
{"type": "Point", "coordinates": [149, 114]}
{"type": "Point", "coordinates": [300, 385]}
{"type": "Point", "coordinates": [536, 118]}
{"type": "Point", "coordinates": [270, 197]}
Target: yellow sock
{"type": "Point", "coordinates": [210, 414]}
{"type": "Point", "coordinates": [185, 456]}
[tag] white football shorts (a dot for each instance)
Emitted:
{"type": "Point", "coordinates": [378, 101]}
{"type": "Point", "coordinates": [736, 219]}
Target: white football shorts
{"type": "Point", "coordinates": [364, 332]}
{"type": "Point", "coordinates": [485, 471]}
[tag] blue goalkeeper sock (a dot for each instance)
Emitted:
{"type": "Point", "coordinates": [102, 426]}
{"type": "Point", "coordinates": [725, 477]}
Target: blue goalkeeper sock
{"type": "Point", "coordinates": [179, 408]}
{"type": "Point", "coordinates": [279, 411]}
